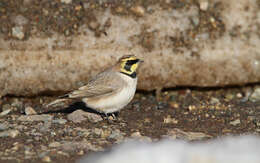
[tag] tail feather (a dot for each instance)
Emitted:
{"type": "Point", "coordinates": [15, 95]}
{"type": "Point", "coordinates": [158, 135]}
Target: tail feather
{"type": "Point", "coordinates": [64, 96]}
{"type": "Point", "coordinates": [56, 102]}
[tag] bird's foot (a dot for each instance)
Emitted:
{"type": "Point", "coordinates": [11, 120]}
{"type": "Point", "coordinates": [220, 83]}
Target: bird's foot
{"type": "Point", "coordinates": [110, 117]}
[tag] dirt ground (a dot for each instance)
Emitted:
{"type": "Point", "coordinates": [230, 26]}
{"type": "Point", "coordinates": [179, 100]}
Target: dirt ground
{"type": "Point", "coordinates": [53, 136]}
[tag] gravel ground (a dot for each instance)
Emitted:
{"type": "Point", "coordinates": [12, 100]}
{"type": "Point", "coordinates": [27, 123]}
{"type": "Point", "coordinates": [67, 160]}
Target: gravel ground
{"type": "Point", "coordinates": [30, 132]}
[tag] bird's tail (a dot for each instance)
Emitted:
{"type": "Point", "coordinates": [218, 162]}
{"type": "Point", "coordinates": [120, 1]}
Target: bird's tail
{"type": "Point", "coordinates": [53, 103]}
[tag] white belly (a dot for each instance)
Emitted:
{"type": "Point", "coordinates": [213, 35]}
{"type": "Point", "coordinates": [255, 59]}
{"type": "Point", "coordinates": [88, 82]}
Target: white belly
{"type": "Point", "coordinates": [116, 102]}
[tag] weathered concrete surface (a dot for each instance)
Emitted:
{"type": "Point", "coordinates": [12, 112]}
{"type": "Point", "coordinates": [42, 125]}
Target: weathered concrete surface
{"type": "Point", "coordinates": [212, 44]}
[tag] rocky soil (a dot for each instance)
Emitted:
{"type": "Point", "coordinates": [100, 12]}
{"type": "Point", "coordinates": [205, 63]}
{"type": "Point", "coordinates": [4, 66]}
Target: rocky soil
{"type": "Point", "coordinates": [29, 132]}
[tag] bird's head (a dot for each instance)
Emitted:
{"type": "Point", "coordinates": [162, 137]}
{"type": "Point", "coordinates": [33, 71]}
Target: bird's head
{"type": "Point", "coordinates": [129, 64]}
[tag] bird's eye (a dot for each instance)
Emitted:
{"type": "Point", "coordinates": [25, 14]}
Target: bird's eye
{"type": "Point", "coordinates": [131, 62]}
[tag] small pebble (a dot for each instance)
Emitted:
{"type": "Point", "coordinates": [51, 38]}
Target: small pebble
{"type": "Point", "coordinates": [66, 1]}
{"type": "Point", "coordinates": [3, 126]}
{"type": "Point", "coordinates": [169, 119]}
{"type": "Point", "coordinates": [6, 107]}
{"type": "Point", "coordinates": [60, 121]}
{"type": "Point", "coordinates": [256, 120]}
{"type": "Point", "coordinates": [45, 12]}
{"type": "Point", "coordinates": [180, 134]}
{"type": "Point", "coordinates": [174, 105]}
{"type": "Point", "coordinates": [30, 111]}
{"type": "Point", "coordinates": [214, 100]}
{"type": "Point", "coordinates": [137, 135]}
{"type": "Point", "coordinates": [195, 20]}
{"type": "Point", "coordinates": [119, 9]}
{"type": "Point", "coordinates": [86, 5]}
{"type": "Point", "coordinates": [192, 107]}
{"type": "Point", "coordinates": [46, 127]}
{"type": "Point", "coordinates": [63, 153]}
{"type": "Point", "coordinates": [42, 154]}
{"type": "Point", "coordinates": [9, 133]}
{"type": "Point", "coordinates": [147, 120]}
{"type": "Point", "coordinates": [203, 4]}
{"type": "Point", "coordinates": [239, 95]}
{"type": "Point", "coordinates": [46, 159]}
{"type": "Point", "coordinates": [18, 32]}
{"type": "Point", "coordinates": [80, 115]}
{"type": "Point", "coordinates": [17, 104]}
{"type": "Point", "coordinates": [235, 122]}
{"type": "Point", "coordinates": [97, 131]}
{"type": "Point", "coordinates": [93, 25]}
{"type": "Point", "coordinates": [257, 123]}
{"type": "Point", "coordinates": [81, 152]}
{"type": "Point", "coordinates": [31, 118]}
{"type": "Point", "coordinates": [20, 20]}
{"type": "Point", "coordinates": [117, 134]}
{"type": "Point", "coordinates": [54, 144]}
{"type": "Point", "coordinates": [78, 7]}
{"type": "Point", "coordinates": [229, 97]}
{"type": "Point", "coordinates": [5, 112]}
{"type": "Point", "coordinates": [138, 10]}
{"type": "Point", "coordinates": [161, 105]}
{"type": "Point", "coordinates": [255, 96]}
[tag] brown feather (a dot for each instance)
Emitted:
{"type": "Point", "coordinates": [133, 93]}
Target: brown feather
{"type": "Point", "coordinates": [103, 84]}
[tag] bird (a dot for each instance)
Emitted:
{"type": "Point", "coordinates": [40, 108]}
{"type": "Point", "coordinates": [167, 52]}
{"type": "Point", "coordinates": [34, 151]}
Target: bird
{"type": "Point", "coordinates": [109, 91]}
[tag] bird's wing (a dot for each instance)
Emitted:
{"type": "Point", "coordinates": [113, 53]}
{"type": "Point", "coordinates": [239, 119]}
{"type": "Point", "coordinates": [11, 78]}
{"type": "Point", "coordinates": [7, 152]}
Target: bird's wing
{"type": "Point", "coordinates": [102, 84]}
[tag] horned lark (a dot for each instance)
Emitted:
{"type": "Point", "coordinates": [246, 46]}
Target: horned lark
{"type": "Point", "coordinates": [110, 90]}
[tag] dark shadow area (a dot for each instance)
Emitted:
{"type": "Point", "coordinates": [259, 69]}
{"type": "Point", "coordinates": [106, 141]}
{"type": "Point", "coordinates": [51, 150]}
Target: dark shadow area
{"type": "Point", "coordinates": [78, 105]}
{"type": "Point", "coordinates": [145, 92]}
{"type": "Point", "coordinates": [71, 108]}
{"type": "Point", "coordinates": [205, 89]}
{"type": "Point", "coordinates": [197, 88]}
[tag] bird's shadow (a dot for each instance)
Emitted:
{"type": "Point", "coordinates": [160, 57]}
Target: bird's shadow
{"type": "Point", "coordinates": [71, 108]}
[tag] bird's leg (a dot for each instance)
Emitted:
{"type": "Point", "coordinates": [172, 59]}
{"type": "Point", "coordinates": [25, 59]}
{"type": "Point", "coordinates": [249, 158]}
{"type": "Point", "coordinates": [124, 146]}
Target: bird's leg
{"type": "Point", "coordinates": [114, 116]}
{"type": "Point", "coordinates": [107, 116]}
{"type": "Point", "coordinates": [104, 116]}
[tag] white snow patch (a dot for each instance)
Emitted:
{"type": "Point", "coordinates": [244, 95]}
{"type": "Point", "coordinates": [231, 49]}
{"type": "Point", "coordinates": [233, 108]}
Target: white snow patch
{"type": "Point", "coordinates": [243, 149]}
